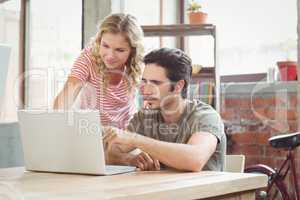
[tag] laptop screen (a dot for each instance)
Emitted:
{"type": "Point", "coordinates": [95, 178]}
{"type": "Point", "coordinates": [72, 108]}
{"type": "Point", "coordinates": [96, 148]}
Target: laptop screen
{"type": "Point", "coordinates": [4, 60]}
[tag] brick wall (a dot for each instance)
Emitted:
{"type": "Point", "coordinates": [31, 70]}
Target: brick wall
{"type": "Point", "coordinates": [251, 118]}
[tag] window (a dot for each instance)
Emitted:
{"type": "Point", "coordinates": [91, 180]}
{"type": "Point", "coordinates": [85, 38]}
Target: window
{"type": "Point", "coordinates": [9, 35]}
{"type": "Point", "coordinates": [252, 35]}
{"type": "Point", "coordinates": [54, 41]}
{"type": "Point", "coordinates": [151, 13]}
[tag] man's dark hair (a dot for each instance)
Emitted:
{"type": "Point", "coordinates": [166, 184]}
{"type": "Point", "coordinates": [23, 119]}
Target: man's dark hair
{"type": "Point", "coordinates": [177, 64]}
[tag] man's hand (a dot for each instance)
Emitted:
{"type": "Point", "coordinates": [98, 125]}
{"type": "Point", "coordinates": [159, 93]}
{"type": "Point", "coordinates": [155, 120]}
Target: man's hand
{"type": "Point", "coordinates": [115, 156]}
{"type": "Point", "coordinates": [117, 136]}
{"type": "Point", "coordinates": [114, 137]}
{"type": "Point", "coordinates": [145, 163]}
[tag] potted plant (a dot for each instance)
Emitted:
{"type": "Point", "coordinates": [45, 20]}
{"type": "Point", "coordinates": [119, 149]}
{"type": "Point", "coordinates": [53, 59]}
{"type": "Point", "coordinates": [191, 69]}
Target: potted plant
{"type": "Point", "coordinates": [196, 16]}
{"type": "Point", "coordinates": [288, 67]}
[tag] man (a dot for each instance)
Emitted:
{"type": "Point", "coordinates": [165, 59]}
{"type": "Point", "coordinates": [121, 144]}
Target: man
{"type": "Point", "coordinates": [171, 130]}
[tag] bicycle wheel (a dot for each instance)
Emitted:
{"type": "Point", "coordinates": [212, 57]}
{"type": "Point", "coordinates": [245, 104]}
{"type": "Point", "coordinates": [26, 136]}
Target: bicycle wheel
{"type": "Point", "coordinates": [275, 190]}
{"type": "Point", "coordinates": [275, 193]}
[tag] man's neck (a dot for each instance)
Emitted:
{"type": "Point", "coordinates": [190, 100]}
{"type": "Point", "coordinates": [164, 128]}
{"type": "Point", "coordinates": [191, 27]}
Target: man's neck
{"type": "Point", "coordinates": [174, 112]}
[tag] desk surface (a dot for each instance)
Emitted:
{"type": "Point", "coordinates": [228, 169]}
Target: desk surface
{"type": "Point", "coordinates": [135, 185]}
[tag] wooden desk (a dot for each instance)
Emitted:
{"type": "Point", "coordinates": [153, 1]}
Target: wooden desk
{"type": "Point", "coordinates": [136, 185]}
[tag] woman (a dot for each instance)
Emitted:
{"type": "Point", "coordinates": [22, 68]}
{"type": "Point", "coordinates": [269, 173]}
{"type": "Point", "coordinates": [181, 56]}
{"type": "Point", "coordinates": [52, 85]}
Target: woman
{"type": "Point", "coordinates": [109, 70]}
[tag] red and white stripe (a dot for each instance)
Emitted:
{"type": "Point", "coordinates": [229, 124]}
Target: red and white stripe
{"type": "Point", "coordinates": [115, 105]}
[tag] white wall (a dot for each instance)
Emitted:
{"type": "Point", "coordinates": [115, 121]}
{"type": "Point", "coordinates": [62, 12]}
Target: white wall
{"type": "Point", "coordinates": [251, 33]}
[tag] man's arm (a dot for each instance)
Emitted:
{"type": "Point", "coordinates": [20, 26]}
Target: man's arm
{"type": "Point", "coordinates": [139, 159]}
{"type": "Point", "coordinates": [190, 157]}
{"type": "Point", "coordinates": [128, 155]}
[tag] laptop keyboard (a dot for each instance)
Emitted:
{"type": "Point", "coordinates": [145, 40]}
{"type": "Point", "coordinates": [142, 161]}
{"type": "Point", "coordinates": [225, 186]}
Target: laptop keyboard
{"type": "Point", "coordinates": [118, 169]}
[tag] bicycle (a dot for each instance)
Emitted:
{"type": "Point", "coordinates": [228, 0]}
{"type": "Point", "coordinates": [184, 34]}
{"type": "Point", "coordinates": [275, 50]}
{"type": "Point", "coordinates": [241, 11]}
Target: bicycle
{"type": "Point", "coordinates": [276, 188]}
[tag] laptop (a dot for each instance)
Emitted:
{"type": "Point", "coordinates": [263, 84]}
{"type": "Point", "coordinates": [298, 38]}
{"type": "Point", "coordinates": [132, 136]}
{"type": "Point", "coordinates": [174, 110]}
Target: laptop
{"type": "Point", "coordinates": [65, 142]}
{"type": "Point", "coordinates": [4, 60]}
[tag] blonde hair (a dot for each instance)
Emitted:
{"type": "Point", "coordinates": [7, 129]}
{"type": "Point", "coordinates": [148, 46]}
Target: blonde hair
{"type": "Point", "coordinates": [128, 26]}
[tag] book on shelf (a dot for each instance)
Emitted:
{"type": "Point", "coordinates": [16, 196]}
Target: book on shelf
{"type": "Point", "coordinates": [202, 90]}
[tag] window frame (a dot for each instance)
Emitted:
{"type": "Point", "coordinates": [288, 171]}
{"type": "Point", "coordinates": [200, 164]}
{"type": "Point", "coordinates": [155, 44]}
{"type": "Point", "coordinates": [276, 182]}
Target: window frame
{"type": "Point", "coordinates": [24, 47]}
{"type": "Point", "coordinates": [22, 52]}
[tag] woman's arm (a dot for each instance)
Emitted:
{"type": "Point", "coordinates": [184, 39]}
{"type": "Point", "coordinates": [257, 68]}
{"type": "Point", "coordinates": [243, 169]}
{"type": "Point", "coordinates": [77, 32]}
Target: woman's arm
{"type": "Point", "coordinates": [67, 96]}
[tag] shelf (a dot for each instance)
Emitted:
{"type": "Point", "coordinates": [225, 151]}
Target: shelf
{"type": "Point", "coordinates": [179, 30]}
{"type": "Point", "coordinates": [208, 74]}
